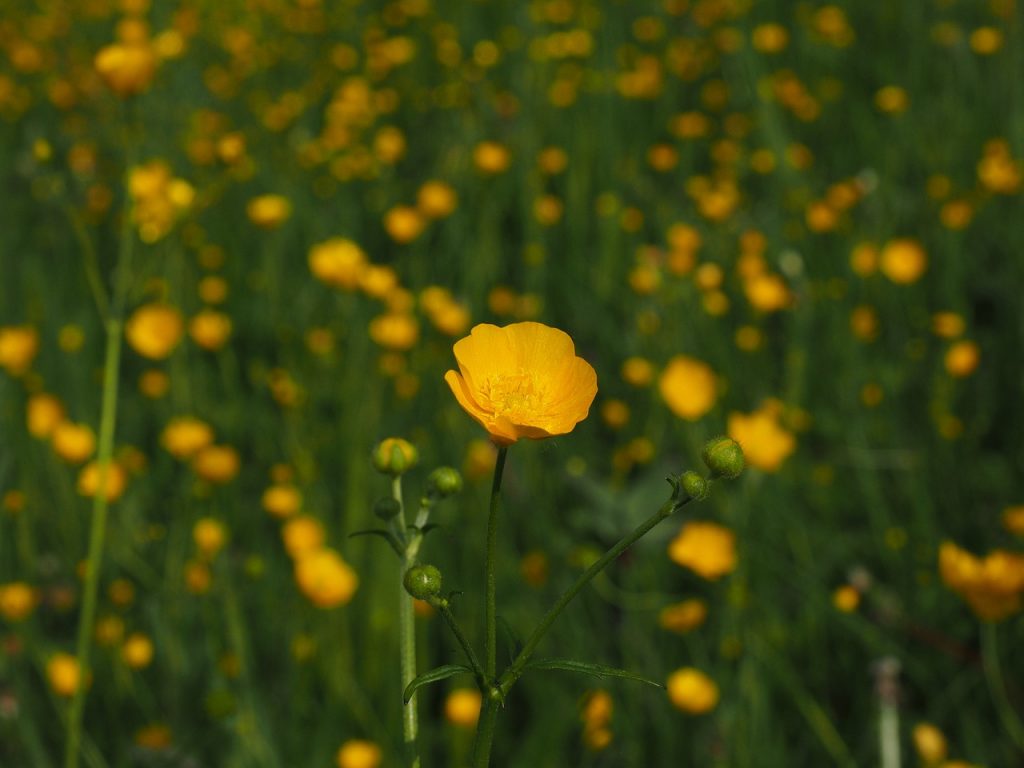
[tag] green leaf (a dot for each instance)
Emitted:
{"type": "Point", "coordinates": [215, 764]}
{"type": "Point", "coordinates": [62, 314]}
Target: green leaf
{"type": "Point", "coordinates": [587, 668]}
{"type": "Point", "coordinates": [433, 676]}
{"type": "Point", "coordinates": [513, 642]}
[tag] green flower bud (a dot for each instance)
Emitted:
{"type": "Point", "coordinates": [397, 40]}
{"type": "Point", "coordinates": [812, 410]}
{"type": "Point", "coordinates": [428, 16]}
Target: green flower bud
{"type": "Point", "coordinates": [723, 457]}
{"type": "Point", "coordinates": [386, 508]}
{"type": "Point", "coordinates": [444, 482]}
{"type": "Point", "coordinates": [695, 486]}
{"type": "Point", "coordinates": [394, 456]}
{"type": "Point", "coordinates": [422, 582]}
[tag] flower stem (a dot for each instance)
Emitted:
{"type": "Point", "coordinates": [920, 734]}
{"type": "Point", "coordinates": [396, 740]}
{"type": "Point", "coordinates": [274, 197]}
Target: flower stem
{"type": "Point", "coordinates": [490, 616]}
{"type": "Point", "coordinates": [406, 635]}
{"type": "Point", "coordinates": [516, 669]}
{"type": "Point", "coordinates": [994, 675]}
{"type": "Point", "coordinates": [449, 617]}
{"type": "Point", "coordinates": [485, 733]}
{"type": "Point", "coordinates": [113, 323]}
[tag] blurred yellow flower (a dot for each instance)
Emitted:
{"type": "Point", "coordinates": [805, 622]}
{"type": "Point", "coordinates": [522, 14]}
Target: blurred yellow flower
{"type": "Point", "coordinates": [18, 348]}
{"type": "Point", "coordinates": [903, 261]}
{"type": "Point", "coordinates": [707, 549]}
{"type": "Point", "coordinates": [523, 380]}
{"type": "Point", "coordinates": [209, 535]}
{"type": "Point", "coordinates": [688, 387]}
{"type": "Point", "coordinates": [395, 330]}
{"type": "Point", "coordinates": [846, 598]}
{"type": "Point", "coordinates": [89, 480]}
{"type": "Point", "coordinates": [436, 199]}
{"type": "Point", "coordinates": [127, 69]}
{"type": "Point", "coordinates": [137, 651]}
{"type": "Point", "coordinates": [154, 330]}
{"type": "Point", "coordinates": [357, 753]}
{"type": "Point", "coordinates": [991, 586]}
{"type": "Point", "coordinates": [637, 371]}
{"type": "Point", "coordinates": [210, 329]}
{"type": "Point", "coordinates": [929, 743]}
{"type": "Point", "coordinates": [462, 707]}
{"type": "Point", "coordinates": [64, 674]}
{"type": "Point", "coordinates": [491, 157]}
{"type": "Point", "coordinates": [962, 358]}
{"type": "Point", "coordinates": [325, 578]}
{"type": "Point", "coordinates": [766, 444]}
{"type": "Point", "coordinates": [282, 500]}
{"type": "Point", "coordinates": [1013, 519]}
{"type": "Point", "coordinates": [216, 463]}
{"type": "Point", "coordinates": [43, 413]}
{"type": "Point", "coordinates": [683, 617]}
{"type": "Point", "coordinates": [73, 442]}
{"type": "Point", "coordinates": [185, 436]}
{"type": "Point", "coordinates": [302, 534]}
{"type": "Point", "coordinates": [268, 211]}
{"type": "Point", "coordinates": [692, 691]}
{"type": "Point", "coordinates": [337, 262]}
{"type": "Point", "coordinates": [404, 223]}
{"type": "Point", "coordinates": [17, 600]}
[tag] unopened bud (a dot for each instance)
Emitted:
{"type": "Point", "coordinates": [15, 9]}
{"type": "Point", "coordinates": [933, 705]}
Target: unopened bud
{"type": "Point", "coordinates": [386, 508]}
{"type": "Point", "coordinates": [423, 582]}
{"type": "Point", "coordinates": [394, 456]}
{"type": "Point", "coordinates": [444, 481]}
{"type": "Point", "coordinates": [696, 487]}
{"type": "Point", "coordinates": [724, 457]}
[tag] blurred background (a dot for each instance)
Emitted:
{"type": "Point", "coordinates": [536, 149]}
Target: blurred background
{"type": "Point", "coordinates": [798, 224]}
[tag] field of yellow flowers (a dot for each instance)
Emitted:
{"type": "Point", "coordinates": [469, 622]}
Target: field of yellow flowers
{"type": "Point", "coordinates": [240, 240]}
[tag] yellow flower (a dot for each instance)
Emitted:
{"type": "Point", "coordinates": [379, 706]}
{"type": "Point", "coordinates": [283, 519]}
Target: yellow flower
{"type": "Point", "coordinates": [1013, 519]}
{"type": "Point", "coordinates": [282, 500]}
{"type": "Point", "coordinates": [846, 598]}
{"type": "Point", "coordinates": [185, 436]}
{"type": "Point", "coordinates": [64, 674]}
{"type": "Point", "coordinates": [18, 347]}
{"type": "Point", "coordinates": [210, 329]}
{"type": "Point", "coordinates": [127, 69]}
{"type": "Point", "coordinates": [766, 444]}
{"type": "Point", "coordinates": [216, 463]}
{"type": "Point", "coordinates": [903, 261]}
{"type": "Point", "coordinates": [395, 330]}
{"type": "Point", "coordinates": [523, 380]}
{"type": "Point", "coordinates": [325, 578]}
{"type": "Point", "coordinates": [962, 358]}
{"type": "Point", "coordinates": [43, 413]}
{"type": "Point", "coordinates": [302, 534]}
{"type": "Point", "coordinates": [683, 617]}
{"type": "Point", "coordinates": [89, 480]}
{"type": "Point", "coordinates": [73, 442]}
{"type": "Point", "coordinates": [209, 535]}
{"type": "Point", "coordinates": [137, 651]}
{"type": "Point", "coordinates": [462, 707]}
{"type": "Point", "coordinates": [404, 223]}
{"type": "Point", "coordinates": [337, 262]}
{"type": "Point", "coordinates": [491, 157]}
{"type": "Point", "coordinates": [991, 586]}
{"type": "Point", "coordinates": [688, 387]}
{"type": "Point", "coordinates": [929, 743]}
{"type": "Point", "coordinates": [436, 200]}
{"type": "Point", "coordinates": [268, 211]}
{"type": "Point", "coordinates": [17, 599]}
{"type": "Point", "coordinates": [708, 549]}
{"type": "Point", "coordinates": [357, 753]}
{"type": "Point", "coordinates": [154, 330]}
{"type": "Point", "coordinates": [692, 691]}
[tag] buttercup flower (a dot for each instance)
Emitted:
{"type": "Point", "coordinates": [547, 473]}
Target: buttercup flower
{"type": "Point", "coordinates": [523, 380]}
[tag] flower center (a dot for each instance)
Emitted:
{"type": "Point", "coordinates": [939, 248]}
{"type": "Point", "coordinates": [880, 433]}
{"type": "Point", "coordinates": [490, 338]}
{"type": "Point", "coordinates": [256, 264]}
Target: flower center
{"type": "Point", "coordinates": [517, 396]}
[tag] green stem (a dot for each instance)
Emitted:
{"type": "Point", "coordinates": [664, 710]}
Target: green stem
{"type": "Point", "coordinates": [406, 633]}
{"type": "Point", "coordinates": [485, 733]}
{"type": "Point", "coordinates": [490, 615]}
{"type": "Point", "coordinates": [98, 527]}
{"type": "Point", "coordinates": [516, 669]}
{"type": "Point", "coordinates": [994, 676]}
{"type": "Point", "coordinates": [478, 670]}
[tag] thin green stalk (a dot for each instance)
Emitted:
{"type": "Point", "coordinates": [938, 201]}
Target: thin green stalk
{"type": "Point", "coordinates": [97, 534]}
{"type": "Point", "coordinates": [406, 633]}
{"type": "Point", "coordinates": [994, 676]}
{"type": "Point", "coordinates": [490, 615]}
{"type": "Point", "coordinates": [114, 324]}
{"type": "Point", "coordinates": [485, 732]}
{"type": "Point", "coordinates": [449, 617]}
{"type": "Point", "coordinates": [516, 669]}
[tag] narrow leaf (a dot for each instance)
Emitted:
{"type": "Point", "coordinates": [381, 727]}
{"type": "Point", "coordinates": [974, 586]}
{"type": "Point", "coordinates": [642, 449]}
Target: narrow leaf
{"type": "Point", "coordinates": [434, 675]}
{"type": "Point", "coordinates": [386, 535]}
{"type": "Point", "coordinates": [587, 668]}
